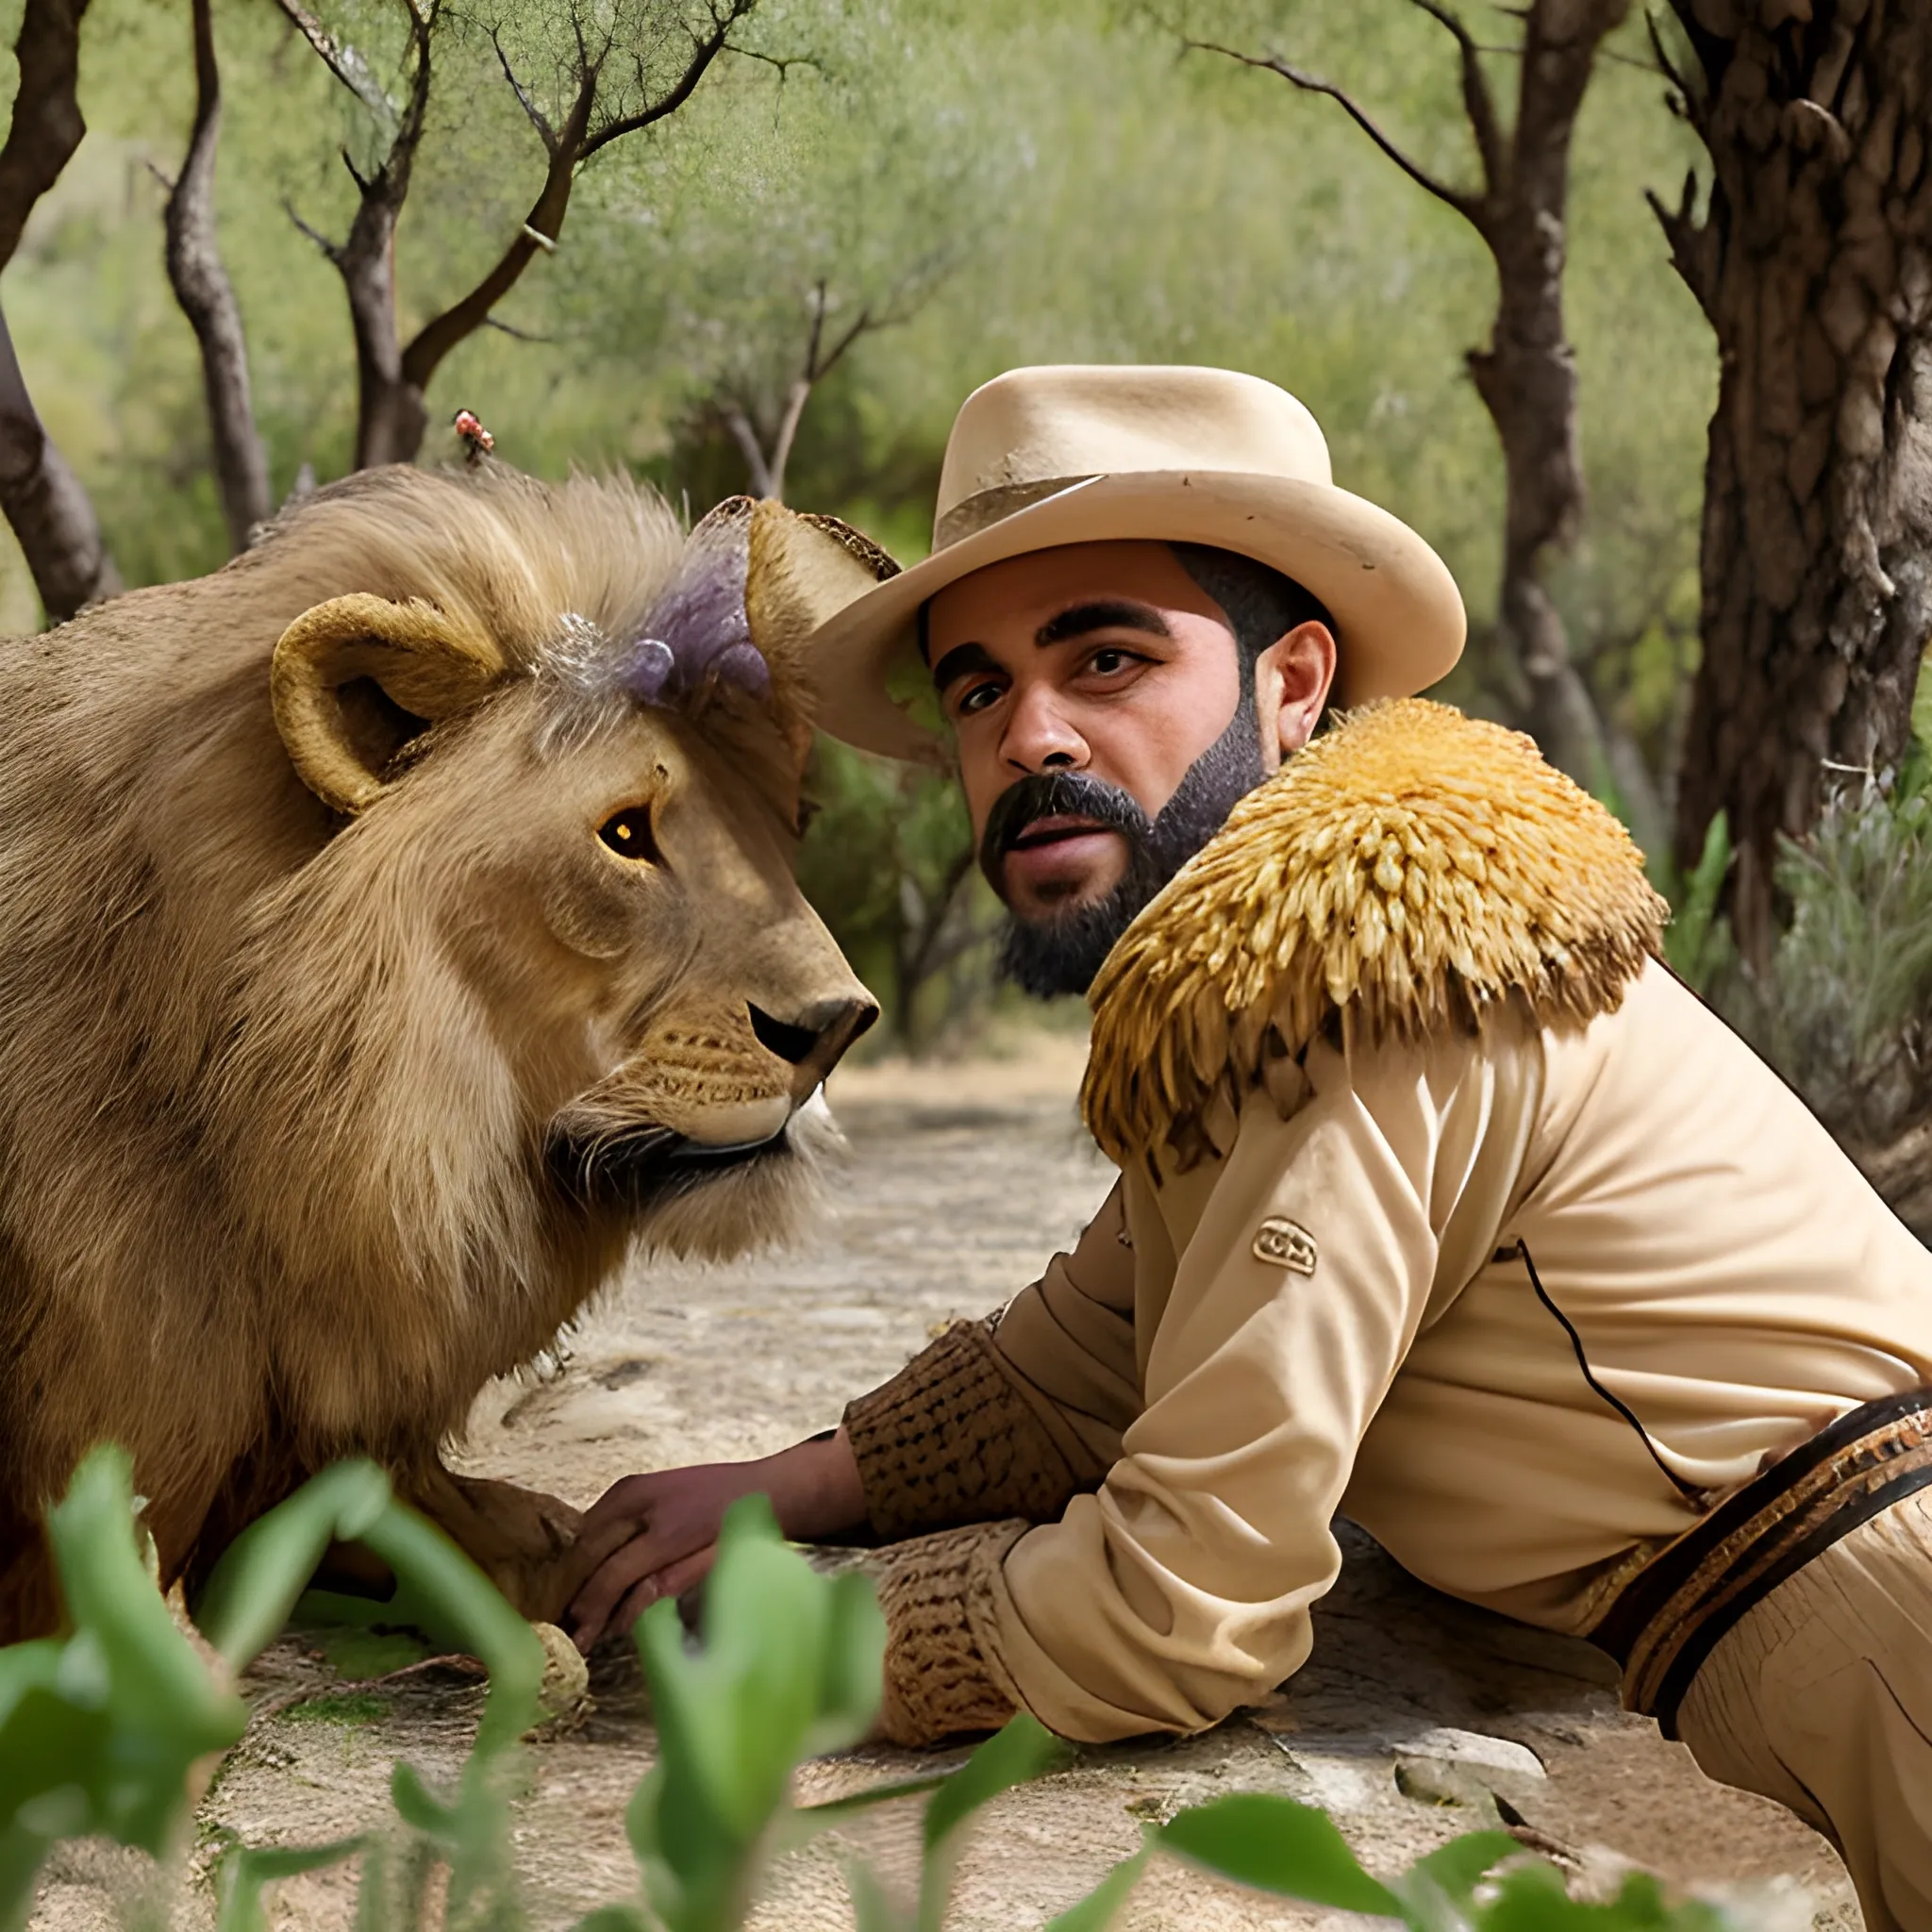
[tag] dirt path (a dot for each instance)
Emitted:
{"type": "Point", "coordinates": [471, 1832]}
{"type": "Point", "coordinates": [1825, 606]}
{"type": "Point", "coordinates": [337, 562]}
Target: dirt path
{"type": "Point", "coordinates": [1417, 1718]}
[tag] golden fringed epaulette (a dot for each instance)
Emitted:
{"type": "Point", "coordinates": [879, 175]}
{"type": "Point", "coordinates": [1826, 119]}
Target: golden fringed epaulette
{"type": "Point", "coordinates": [1406, 872]}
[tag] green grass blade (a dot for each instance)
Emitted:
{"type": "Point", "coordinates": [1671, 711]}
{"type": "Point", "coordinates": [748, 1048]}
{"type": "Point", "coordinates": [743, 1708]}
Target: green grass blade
{"type": "Point", "coordinates": [1102, 1905]}
{"type": "Point", "coordinates": [1453, 1871]}
{"type": "Point", "coordinates": [805, 1821]}
{"type": "Point", "coordinates": [1273, 1844]}
{"type": "Point", "coordinates": [159, 1685]}
{"type": "Point", "coordinates": [871, 1909]}
{"type": "Point", "coordinates": [491, 1630]}
{"type": "Point", "coordinates": [22, 1853]}
{"type": "Point", "coordinates": [418, 1807]}
{"type": "Point", "coordinates": [266, 1568]}
{"type": "Point", "coordinates": [245, 1873]}
{"type": "Point", "coordinates": [1022, 1751]}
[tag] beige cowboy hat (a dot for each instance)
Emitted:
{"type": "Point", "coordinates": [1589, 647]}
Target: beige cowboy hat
{"type": "Point", "coordinates": [1080, 454]}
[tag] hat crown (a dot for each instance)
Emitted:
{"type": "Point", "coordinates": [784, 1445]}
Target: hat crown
{"type": "Point", "coordinates": [1031, 430]}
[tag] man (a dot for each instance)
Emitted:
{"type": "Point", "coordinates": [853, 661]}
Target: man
{"type": "Point", "coordinates": [1440, 1203]}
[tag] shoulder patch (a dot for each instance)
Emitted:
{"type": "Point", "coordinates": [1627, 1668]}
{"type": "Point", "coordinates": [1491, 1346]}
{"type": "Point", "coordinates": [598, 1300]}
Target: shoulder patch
{"type": "Point", "coordinates": [1286, 1243]}
{"type": "Point", "coordinates": [1408, 870]}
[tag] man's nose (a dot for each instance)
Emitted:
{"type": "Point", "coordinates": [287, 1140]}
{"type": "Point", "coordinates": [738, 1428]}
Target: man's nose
{"type": "Point", "coordinates": [1040, 739]}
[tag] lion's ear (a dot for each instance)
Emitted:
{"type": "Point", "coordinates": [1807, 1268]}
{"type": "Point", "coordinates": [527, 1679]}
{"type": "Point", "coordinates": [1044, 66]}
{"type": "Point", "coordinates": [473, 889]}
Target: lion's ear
{"type": "Point", "coordinates": [802, 570]}
{"type": "Point", "coordinates": [424, 665]}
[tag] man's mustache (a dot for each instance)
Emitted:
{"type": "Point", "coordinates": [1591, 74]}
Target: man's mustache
{"type": "Point", "coordinates": [1056, 794]}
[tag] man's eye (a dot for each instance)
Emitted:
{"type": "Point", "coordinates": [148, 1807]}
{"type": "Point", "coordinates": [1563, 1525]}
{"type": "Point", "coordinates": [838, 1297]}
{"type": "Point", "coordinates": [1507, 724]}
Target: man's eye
{"type": "Point", "coordinates": [976, 698]}
{"type": "Point", "coordinates": [1109, 659]}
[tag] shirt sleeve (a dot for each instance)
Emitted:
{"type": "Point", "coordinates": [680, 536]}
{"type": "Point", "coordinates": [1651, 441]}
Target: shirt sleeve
{"type": "Point", "coordinates": [1010, 1417]}
{"type": "Point", "coordinates": [1182, 1588]}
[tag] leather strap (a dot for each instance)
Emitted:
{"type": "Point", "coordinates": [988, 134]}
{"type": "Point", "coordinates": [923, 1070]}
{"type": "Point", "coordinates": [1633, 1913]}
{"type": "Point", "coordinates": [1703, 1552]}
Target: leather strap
{"type": "Point", "coordinates": [1668, 1617]}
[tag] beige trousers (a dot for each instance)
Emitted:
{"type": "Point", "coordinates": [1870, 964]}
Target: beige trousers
{"type": "Point", "coordinates": [1821, 1697]}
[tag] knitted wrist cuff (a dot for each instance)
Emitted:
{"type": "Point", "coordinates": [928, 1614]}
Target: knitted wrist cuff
{"type": "Point", "coordinates": [950, 1440]}
{"type": "Point", "coordinates": [943, 1672]}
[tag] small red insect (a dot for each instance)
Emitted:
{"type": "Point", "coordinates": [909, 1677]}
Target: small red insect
{"type": "Point", "coordinates": [476, 440]}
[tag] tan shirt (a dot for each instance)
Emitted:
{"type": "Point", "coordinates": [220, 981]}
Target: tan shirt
{"type": "Point", "coordinates": [1717, 1282]}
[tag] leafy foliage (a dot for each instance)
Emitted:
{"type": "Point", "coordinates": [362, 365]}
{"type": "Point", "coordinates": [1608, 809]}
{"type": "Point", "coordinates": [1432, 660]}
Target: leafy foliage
{"type": "Point", "coordinates": [888, 862]}
{"type": "Point", "coordinates": [1697, 941]}
{"type": "Point", "coordinates": [107, 1730]}
{"type": "Point", "coordinates": [1842, 1010]}
{"type": "Point", "coordinates": [115, 1729]}
{"type": "Point", "coordinates": [929, 162]}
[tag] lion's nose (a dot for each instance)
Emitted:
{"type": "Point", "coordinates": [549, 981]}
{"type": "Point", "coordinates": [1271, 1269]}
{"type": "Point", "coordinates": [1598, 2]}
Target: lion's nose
{"type": "Point", "coordinates": [817, 1038]}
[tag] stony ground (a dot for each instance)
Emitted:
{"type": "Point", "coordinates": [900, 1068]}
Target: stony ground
{"type": "Point", "coordinates": [1417, 1718]}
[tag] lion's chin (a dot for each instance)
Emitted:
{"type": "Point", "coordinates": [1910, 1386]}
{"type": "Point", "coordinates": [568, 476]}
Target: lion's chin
{"type": "Point", "coordinates": [700, 1200]}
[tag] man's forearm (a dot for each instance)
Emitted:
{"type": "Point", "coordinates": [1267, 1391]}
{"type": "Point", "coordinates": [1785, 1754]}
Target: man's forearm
{"type": "Point", "coordinates": [815, 1489]}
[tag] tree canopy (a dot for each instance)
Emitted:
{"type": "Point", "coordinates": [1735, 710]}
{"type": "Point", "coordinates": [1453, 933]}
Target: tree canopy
{"type": "Point", "coordinates": [1000, 184]}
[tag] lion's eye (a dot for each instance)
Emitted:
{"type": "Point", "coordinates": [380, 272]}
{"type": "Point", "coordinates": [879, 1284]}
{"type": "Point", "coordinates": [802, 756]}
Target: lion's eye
{"type": "Point", "coordinates": [628, 834]}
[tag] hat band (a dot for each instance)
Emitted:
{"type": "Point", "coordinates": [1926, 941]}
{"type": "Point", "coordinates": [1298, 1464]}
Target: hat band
{"type": "Point", "coordinates": [985, 507]}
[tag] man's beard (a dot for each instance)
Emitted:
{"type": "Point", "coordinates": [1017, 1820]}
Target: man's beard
{"type": "Point", "coordinates": [1062, 951]}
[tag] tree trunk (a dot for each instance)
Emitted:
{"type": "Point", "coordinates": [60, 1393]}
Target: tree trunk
{"type": "Point", "coordinates": [391, 411]}
{"type": "Point", "coordinates": [42, 498]}
{"type": "Point", "coordinates": [46, 126]}
{"type": "Point", "coordinates": [392, 381]}
{"type": "Point", "coordinates": [1813, 266]}
{"type": "Point", "coordinates": [207, 299]}
{"type": "Point", "coordinates": [50, 512]}
{"type": "Point", "coordinates": [1526, 373]}
{"type": "Point", "coordinates": [1526, 376]}
{"type": "Point", "coordinates": [765, 474]}
{"type": "Point", "coordinates": [757, 471]}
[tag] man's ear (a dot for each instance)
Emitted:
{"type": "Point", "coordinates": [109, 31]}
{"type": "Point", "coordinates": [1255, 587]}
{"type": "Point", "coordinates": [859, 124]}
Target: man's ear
{"type": "Point", "coordinates": [1293, 678]}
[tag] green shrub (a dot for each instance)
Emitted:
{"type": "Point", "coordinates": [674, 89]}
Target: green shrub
{"type": "Point", "coordinates": [1841, 1013]}
{"type": "Point", "coordinates": [114, 1728]}
{"type": "Point", "coordinates": [888, 864]}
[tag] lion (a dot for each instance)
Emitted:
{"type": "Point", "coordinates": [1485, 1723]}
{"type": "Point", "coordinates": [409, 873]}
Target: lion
{"type": "Point", "coordinates": [397, 929]}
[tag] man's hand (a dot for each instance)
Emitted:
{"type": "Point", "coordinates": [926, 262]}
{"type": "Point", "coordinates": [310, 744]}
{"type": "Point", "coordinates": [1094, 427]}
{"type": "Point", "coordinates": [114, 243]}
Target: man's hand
{"type": "Point", "coordinates": [654, 1536]}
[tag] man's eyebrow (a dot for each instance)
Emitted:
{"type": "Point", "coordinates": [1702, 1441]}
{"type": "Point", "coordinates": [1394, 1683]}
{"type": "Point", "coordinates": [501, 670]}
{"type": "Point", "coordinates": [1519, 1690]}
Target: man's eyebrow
{"type": "Point", "coordinates": [1104, 613]}
{"type": "Point", "coordinates": [962, 660]}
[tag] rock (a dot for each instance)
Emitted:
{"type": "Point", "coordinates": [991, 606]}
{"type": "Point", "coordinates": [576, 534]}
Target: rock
{"type": "Point", "coordinates": [565, 1694]}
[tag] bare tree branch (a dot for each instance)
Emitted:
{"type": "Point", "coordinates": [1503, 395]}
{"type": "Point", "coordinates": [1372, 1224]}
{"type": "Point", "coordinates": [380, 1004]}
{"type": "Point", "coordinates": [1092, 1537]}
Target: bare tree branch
{"type": "Point", "coordinates": [1465, 204]}
{"type": "Point", "coordinates": [516, 334]}
{"type": "Point", "coordinates": [344, 62]}
{"type": "Point", "coordinates": [1477, 102]}
{"type": "Point", "coordinates": [783, 62]}
{"type": "Point", "coordinates": [331, 249]}
{"type": "Point", "coordinates": [1693, 244]}
{"type": "Point", "coordinates": [569, 147]}
{"type": "Point", "coordinates": [545, 133]}
{"type": "Point", "coordinates": [1666, 66]}
{"type": "Point", "coordinates": [461, 319]}
{"type": "Point", "coordinates": [705, 49]}
{"type": "Point", "coordinates": [49, 511]}
{"type": "Point", "coordinates": [864, 325]}
{"type": "Point", "coordinates": [207, 296]}
{"type": "Point", "coordinates": [393, 377]}
{"type": "Point", "coordinates": [746, 438]}
{"type": "Point", "coordinates": [43, 501]}
{"type": "Point", "coordinates": [766, 468]}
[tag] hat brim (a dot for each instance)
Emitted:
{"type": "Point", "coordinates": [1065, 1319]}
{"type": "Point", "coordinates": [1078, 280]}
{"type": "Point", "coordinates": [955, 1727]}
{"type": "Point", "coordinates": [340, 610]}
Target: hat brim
{"type": "Point", "coordinates": [1399, 619]}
